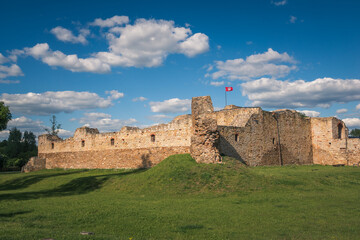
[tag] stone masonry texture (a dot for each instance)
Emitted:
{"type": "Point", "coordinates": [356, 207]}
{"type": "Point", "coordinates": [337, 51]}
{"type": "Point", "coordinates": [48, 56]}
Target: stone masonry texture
{"type": "Point", "coordinates": [251, 135]}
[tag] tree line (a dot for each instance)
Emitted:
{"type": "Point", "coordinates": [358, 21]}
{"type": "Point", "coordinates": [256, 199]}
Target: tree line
{"type": "Point", "coordinates": [16, 151]}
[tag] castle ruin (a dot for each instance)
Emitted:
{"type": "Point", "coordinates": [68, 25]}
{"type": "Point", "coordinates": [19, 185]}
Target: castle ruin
{"type": "Point", "coordinates": [250, 134]}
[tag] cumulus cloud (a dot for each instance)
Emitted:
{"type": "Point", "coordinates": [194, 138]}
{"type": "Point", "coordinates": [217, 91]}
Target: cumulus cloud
{"type": "Point", "coordinates": [110, 22]}
{"type": "Point", "coordinates": [139, 99]}
{"type": "Point", "coordinates": [342, 110]}
{"type": "Point", "coordinates": [173, 105]}
{"type": "Point", "coordinates": [279, 3]}
{"type": "Point", "coordinates": [66, 35]}
{"type": "Point", "coordinates": [43, 52]}
{"type": "Point", "coordinates": [115, 94]}
{"type": "Point", "coordinates": [26, 124]}
{"type": "Point", "coordinates": [352, 122]}
{"type": "Point", "coordinates": [310, 113]}
{"type": "Point", "coordinates": [321, 92]}
{"type": "Point", "coordinates": [254, 66]}
{"type": "Point", "coordinates": [217, 84]}
{"type": "Point", "coordinates": [53, 102]}
{"type": "Point", "coordinates": [10, 71]}
{"type": "Point", "coordinates": [147, 43]}
{"type": "Point", "coordinates": [104, 122]}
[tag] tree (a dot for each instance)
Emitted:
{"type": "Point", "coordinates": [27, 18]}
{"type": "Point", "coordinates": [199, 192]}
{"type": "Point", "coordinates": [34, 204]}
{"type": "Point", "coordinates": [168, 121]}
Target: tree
{"type": "Point", "coordinates": [14, 143]}
{"type": "Point", "coordinates": [55, 126]}
{"type": "Point", "coordinates": [5, 116]}
{"type": "Point", "coordinates": [29, 141]}
{"type": "Point", "coordinates": [355, 132]}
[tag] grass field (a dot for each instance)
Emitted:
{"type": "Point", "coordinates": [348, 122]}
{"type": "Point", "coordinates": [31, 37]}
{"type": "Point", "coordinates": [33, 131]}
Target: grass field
{"type": "Point", "coordinates": [180, 199]}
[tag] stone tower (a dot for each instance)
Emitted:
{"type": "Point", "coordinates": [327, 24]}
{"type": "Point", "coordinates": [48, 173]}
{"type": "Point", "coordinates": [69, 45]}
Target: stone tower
{"type": "Point", "coordinates": [205, 139]}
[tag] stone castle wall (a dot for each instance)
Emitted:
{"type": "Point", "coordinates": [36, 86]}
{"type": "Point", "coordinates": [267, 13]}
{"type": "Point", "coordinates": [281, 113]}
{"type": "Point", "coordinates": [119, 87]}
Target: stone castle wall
{"type": "Point", "coordinates": [251, 135]}
{"type": "Point", "coordinates": [129, 148]}
{"type": "Point", "coordinates": [269, 138]}
{"type": "Point", "coordinates": [331, 144]}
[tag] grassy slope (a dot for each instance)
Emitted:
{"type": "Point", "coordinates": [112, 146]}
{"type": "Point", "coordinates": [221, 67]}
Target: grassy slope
{"type": "Point", "coordinates": [179, 199]}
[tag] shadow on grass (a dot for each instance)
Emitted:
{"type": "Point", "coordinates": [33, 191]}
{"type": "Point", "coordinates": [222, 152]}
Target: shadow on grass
{"type": "Point", "coordinates": [25, 181]}
{"type": "Point", "coordinates": [186, 228]}
{"type": "Point", "coordinates": [13, 214]}
{"type": "Point", "coordinates": [77, 186]}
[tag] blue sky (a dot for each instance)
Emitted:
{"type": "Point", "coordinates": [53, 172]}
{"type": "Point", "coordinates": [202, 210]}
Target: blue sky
{"type": "Point", "coordinates": [107, 64]}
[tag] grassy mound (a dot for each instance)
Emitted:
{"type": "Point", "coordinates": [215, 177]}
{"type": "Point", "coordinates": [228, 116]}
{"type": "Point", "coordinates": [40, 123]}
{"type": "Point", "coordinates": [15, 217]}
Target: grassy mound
{"type": "Point", "coordinates": [180, 199]}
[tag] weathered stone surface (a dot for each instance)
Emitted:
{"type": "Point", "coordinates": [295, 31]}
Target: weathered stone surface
{"type": "Point", "coordinates": [250, 134]}
{"type": "Point", "coordinates": [205, 140]}
{"type": "Point", "coordinates": [34, 164]}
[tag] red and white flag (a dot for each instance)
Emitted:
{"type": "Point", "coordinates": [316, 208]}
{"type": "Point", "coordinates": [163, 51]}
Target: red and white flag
{"type": "Point", "coordinates": [228, 89]}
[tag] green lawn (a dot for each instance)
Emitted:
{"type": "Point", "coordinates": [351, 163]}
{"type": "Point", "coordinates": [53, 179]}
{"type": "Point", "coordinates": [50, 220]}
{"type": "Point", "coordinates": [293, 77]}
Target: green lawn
{"type": "Point", "coordinates": [180, 199]}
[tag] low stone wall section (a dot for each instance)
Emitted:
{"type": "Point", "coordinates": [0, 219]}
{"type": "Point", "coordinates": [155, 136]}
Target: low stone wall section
{"type": "Point", "coordinates": [114, 158]}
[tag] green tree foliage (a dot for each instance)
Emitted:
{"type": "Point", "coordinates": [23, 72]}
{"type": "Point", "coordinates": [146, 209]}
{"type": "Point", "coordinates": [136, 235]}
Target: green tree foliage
{"type": "Point", "coordinates": [5, 116]}
{"type": "Point", "coordinates": [16, 151]}
{"type": "Point", "coordinates": [355, 132]}
{"type": "Point", "coordinates": [55, 126]}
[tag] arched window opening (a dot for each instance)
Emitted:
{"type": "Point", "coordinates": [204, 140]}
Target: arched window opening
{"type": "Point", "coordinates": [236, 137]}
{"type": "Point", "coordinates": [83, 143]}
{"type": "Point", "coordinates": [152, 137]}
{"type": "Point", "coordinates": [112, 142]}
{"type": "Point", "coordinates": [52, 145]}
{"type": "Point", "coordinates": [340, 127]}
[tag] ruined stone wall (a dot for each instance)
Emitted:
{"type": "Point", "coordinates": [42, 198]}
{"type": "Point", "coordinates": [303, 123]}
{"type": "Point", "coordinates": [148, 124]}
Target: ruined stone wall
{"type": "Point", "coordinates": [269, 138]}
{"type": "Point", "coordinates": [328, 148]}
{"type": "Point", "coordinates": [128, 148]}
{"type": "Point", "coordinates": [235, 116]}
{"type": "Point", "coordinates": [353, 151]}
{"type": "Point", "coordinates": [251, 135]}
{"type": "Point", "coordinates": [205, 136]}
{"type": "Point", "coordinates": [111, 158]}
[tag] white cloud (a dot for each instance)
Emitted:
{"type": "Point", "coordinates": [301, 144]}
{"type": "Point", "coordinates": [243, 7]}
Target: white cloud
{"type": "Point", "coordinates": [9, 81]}
{"type": "Point", "coordinates": [321, 92]}
{"type": "Point", "coordinates": [352, 122]}
{"type": "Point", "coordinates": [257, 65]}
{"type": "Point", "coordinates": [115, 94]}
{"type": "Point", "coordinates": [110, 22]}
{"type": "Point", "coordinates": [10, 71]}
{"type": "Point", "coordinates": [310, 113]}
{"type": "Point", "coordinates": [139, 99]}
{"type": "Point", "coordinates": [358, 107]}
{"type": "Point", "coordinates": [342, 110]}
{"type": "Point", "coordinates": [66, 35]}
{"type": "Point", "coordinates": [104, 122]}
{"type": "Point", "coordinates": [279, 3]}
{"type": "Point", "coordinates": [53, 102]}
{"type": "Point", "coordinates": [71, 62]}
{"type": "Point", "coordinates": [173, 105]}
{"type": "Point", "coordinates": [148, 42]}
{"type": "Point", "coordinates": [194, 45]}
{"type": "Point", "coordinates": [293, 19]}
{"type": "Point", "coordinates": [3, 59]}
{"type": "Point", "coordinates": [217, 84]}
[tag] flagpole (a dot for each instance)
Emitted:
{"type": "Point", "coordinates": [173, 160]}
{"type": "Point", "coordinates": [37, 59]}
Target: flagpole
{"type": "Point", "coordinates": [225, 98]}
